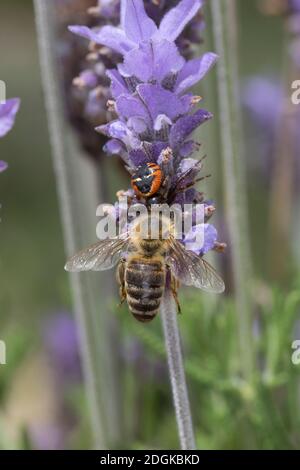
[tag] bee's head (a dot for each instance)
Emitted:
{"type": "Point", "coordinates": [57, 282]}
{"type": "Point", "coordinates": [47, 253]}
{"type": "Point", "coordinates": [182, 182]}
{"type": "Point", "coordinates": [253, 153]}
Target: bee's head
{"type": "Point", "coordinates": [153, 227]}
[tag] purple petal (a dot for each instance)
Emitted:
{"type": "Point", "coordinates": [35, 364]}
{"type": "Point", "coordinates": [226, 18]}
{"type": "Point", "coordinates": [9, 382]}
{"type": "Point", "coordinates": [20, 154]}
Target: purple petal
{"type": "Point", "coordinates": [115, 129]}
{"type": "Point", "coordinates": [3, 166]}
{"type": "Point", "coordinates": [137, 124]}
{"type": "Point", "coordinates": [118, 130]}
{"type": "Point", "coordinates": [187, 164]}
{"type": "Point", "coordinates": [193, 167]}
{"type": "Point", "coordinates": [160, 101]}
{"type": "Point", "coordinates": [194, 70]}
{"type": "Point", "coordinates": [187, 149]}
{"type": "Point", "coordinates": [113, 146]}
{"type": "Point", "coordinates": [135, 22]}
{"type": "Point", "coordinates": [186, 125]}
{"type": "Point", "coordinates": [167, 59]}
{"type": "Point", "coordinates": [147, 153]}
{"type": "Point", "coordinates": [130, 107]}
{"type": "Point", "coordinates": [156, 149]}
{"type": "Point", "coordinates": [186, 197]}
{"type": "Point", "coordinates": [161, 122]}
{"type": "Point", "coordinates": [88, 78]}
{"type": "Point", "coordinates": [137, 62]}
{"type": "Point", "coordinates": [207, 236]}
{"type": "Point", "coordinates": [152, 60]}
{"type": "Point", "coordinates": [108, 36]}
{"type": "Point", "coordinates": [139, 157]}
{"type": "Point", "coordinates": [176, 19]}
{"type": "Point", "coordinates": [210, 238]}
{"type": "Point", "coordinates": [118, 85]}
{"type": "Point", "coordinates": [8, 111]}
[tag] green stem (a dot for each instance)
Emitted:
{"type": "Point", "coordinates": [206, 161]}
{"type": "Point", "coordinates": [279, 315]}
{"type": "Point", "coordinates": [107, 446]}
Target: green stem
{"type": "Point", "coordinates": [176, 370]}
{"type": "Point", "coordinates": [77, 186]}
{"type": "Point", "coordinates": [282, 177]}
{"type": "Point", "coordinates": [224, 24]}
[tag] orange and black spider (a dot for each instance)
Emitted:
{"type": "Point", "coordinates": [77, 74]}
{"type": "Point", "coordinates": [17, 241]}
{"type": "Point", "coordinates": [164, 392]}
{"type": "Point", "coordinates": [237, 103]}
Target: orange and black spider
{"type": "Point", "coordinates": [147, 180]}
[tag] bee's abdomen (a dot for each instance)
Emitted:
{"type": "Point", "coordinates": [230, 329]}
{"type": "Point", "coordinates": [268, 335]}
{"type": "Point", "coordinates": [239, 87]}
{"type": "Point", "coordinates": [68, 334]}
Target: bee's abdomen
{"type": "Point", "coordinates": [144, 281]}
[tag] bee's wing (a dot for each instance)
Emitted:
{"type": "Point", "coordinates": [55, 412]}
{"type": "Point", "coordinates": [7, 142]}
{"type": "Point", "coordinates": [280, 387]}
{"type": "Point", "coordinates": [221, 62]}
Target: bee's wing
{"type": "Point", "coordinates": [101, 256]}
{"type": "Point", "coordinates": [192, 270]}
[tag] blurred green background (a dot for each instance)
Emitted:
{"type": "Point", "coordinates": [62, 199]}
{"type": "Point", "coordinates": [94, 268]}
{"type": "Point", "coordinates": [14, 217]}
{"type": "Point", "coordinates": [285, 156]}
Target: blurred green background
{"type": "Point", "coordinates": [43, 407]}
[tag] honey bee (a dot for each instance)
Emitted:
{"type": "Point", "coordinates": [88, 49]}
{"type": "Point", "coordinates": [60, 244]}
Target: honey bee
{"type": "Point", "coordinates": [146, 265]}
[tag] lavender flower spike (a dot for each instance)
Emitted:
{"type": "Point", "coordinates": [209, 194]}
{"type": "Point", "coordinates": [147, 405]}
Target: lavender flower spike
{"type": "Point", "coordinates": [149, 88]}
{"type": "Point", "coordinates": [136, 26]}
{"type": "Point", "coordinates": [155, 113]}
{"type": "Point", "coordinates": [86, 100]}
{"type": "Point", "coordinates": [155, 118]}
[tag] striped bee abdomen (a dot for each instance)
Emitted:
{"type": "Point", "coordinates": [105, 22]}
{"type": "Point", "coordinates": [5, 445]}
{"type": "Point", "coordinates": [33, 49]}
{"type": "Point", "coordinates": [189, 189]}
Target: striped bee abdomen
{"type": "Point", "coordinates": [144, 283]}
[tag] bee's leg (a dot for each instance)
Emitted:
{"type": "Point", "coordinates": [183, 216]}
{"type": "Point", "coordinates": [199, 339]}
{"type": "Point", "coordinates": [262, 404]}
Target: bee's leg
{"type": "Point", "coordinates": [121, 280]}
{"type": "Point", "coordinates": [174, 289]}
